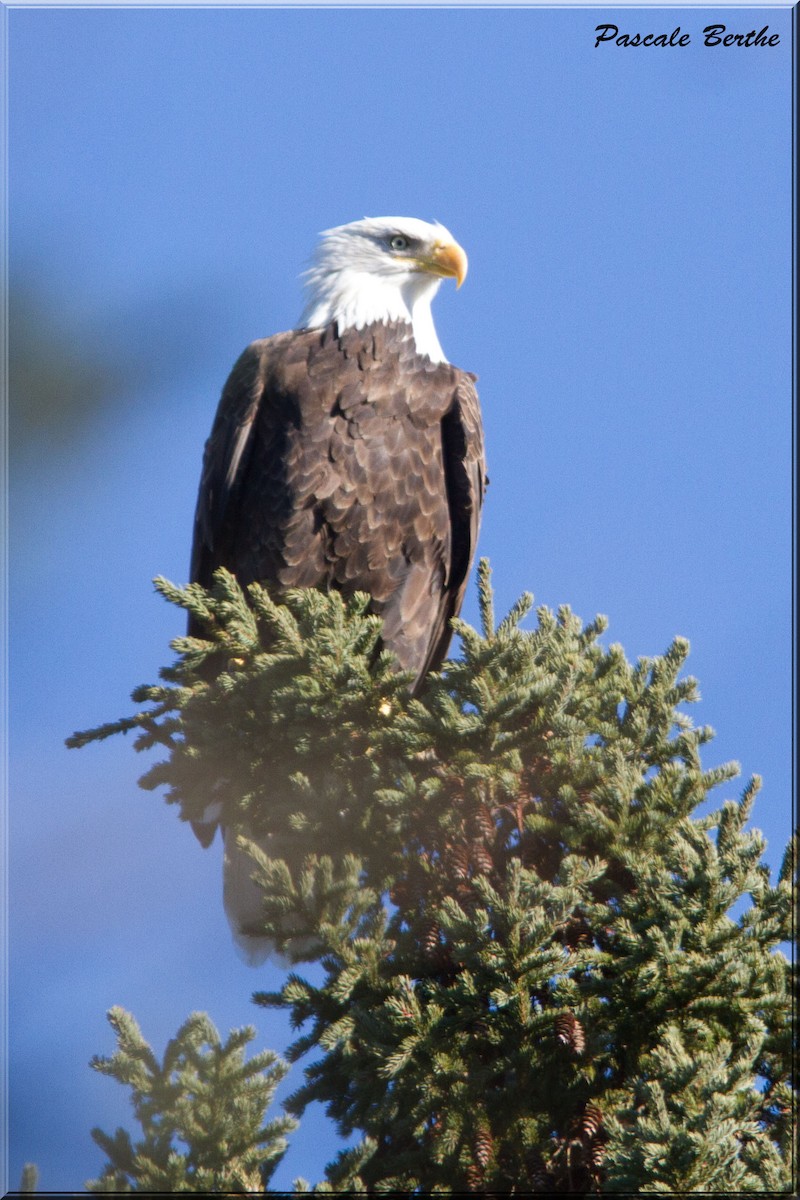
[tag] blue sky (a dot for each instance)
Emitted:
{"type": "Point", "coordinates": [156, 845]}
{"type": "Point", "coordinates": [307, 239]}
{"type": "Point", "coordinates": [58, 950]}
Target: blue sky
{"type": "Point", "coordinates": [627, 213]}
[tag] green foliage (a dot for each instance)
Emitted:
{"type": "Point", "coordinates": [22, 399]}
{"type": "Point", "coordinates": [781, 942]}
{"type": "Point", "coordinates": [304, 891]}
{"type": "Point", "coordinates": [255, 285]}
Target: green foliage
{"type": "Point", "coordinates": [201, 1111]}
{"type": "Point", "coordinates": [545, 967]}
{"type": "Point", "coordinates": [276, 717]}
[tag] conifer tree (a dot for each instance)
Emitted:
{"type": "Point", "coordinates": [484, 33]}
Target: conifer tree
{"type": "Point", "coordinates": [201, 1111]}
{"type": "Point", "coordinates": [533, 980]}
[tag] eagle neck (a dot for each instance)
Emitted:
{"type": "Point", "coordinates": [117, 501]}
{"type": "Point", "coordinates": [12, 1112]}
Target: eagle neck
{"type": "Point", "coordinates": [355, 299]}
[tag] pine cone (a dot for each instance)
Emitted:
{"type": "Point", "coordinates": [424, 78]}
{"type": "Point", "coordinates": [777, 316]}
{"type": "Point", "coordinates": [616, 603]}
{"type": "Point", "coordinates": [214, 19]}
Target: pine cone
{"type": "Point", "coordinates": [457, 861]}
{"type": "Point", "coordinates": [481, 858]}
{"type": "Point", "coordinates": [597, 1151]}
{"type": "Point", "coordinates": [483, 1146]}
{"type": "Point", "coordinates": [570, 1033]}
{"type": "Point", "coordinates": [435, 955]}
{"type": "Point", "coordinates": [481, 821]}
{"type": "Point", "coordinates": [591, 1121]}
{"type": "Point", "coordinates": [475, 1177]}
{"type": "Point", "coordinates": [429, 938]}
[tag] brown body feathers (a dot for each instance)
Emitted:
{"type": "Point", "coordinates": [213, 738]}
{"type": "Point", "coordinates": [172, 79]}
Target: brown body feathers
{"type": "Point", "coordinates": [348, 461]}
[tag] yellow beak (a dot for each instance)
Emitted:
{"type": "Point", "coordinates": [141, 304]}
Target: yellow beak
{"type": "Point", "coordinates": [447, 259]}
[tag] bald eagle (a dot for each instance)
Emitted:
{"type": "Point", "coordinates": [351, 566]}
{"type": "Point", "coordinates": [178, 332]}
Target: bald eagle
{"type": "Point", "coordinates": [348, 453]}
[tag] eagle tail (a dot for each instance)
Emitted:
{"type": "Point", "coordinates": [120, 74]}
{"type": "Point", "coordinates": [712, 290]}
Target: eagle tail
{"type": "Point", "coordinates": [244, 904]}
{"type": "Point", "coordinates": [243, 900]}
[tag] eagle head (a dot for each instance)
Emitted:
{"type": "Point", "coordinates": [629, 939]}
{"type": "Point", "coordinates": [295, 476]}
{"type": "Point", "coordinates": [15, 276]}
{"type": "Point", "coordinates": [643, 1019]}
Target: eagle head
{"type": "Point", "coordinates": [382, 269]}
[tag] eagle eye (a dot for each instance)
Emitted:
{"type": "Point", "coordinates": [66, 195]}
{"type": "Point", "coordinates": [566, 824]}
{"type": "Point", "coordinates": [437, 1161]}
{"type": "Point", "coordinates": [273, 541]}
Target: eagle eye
{"type": "Point", "coordinates": [399, 242]}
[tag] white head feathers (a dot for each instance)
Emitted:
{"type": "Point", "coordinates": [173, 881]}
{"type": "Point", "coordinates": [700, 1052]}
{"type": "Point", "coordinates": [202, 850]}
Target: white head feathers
{"type": "Point", "coordinates": [382, 269]}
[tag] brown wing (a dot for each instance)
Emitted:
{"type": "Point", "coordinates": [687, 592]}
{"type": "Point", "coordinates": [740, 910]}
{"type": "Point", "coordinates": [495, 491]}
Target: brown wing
{"type": "Point", "coordinates": [465, 478]}
{"type": "Point", "coordinates": [227, 465]}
